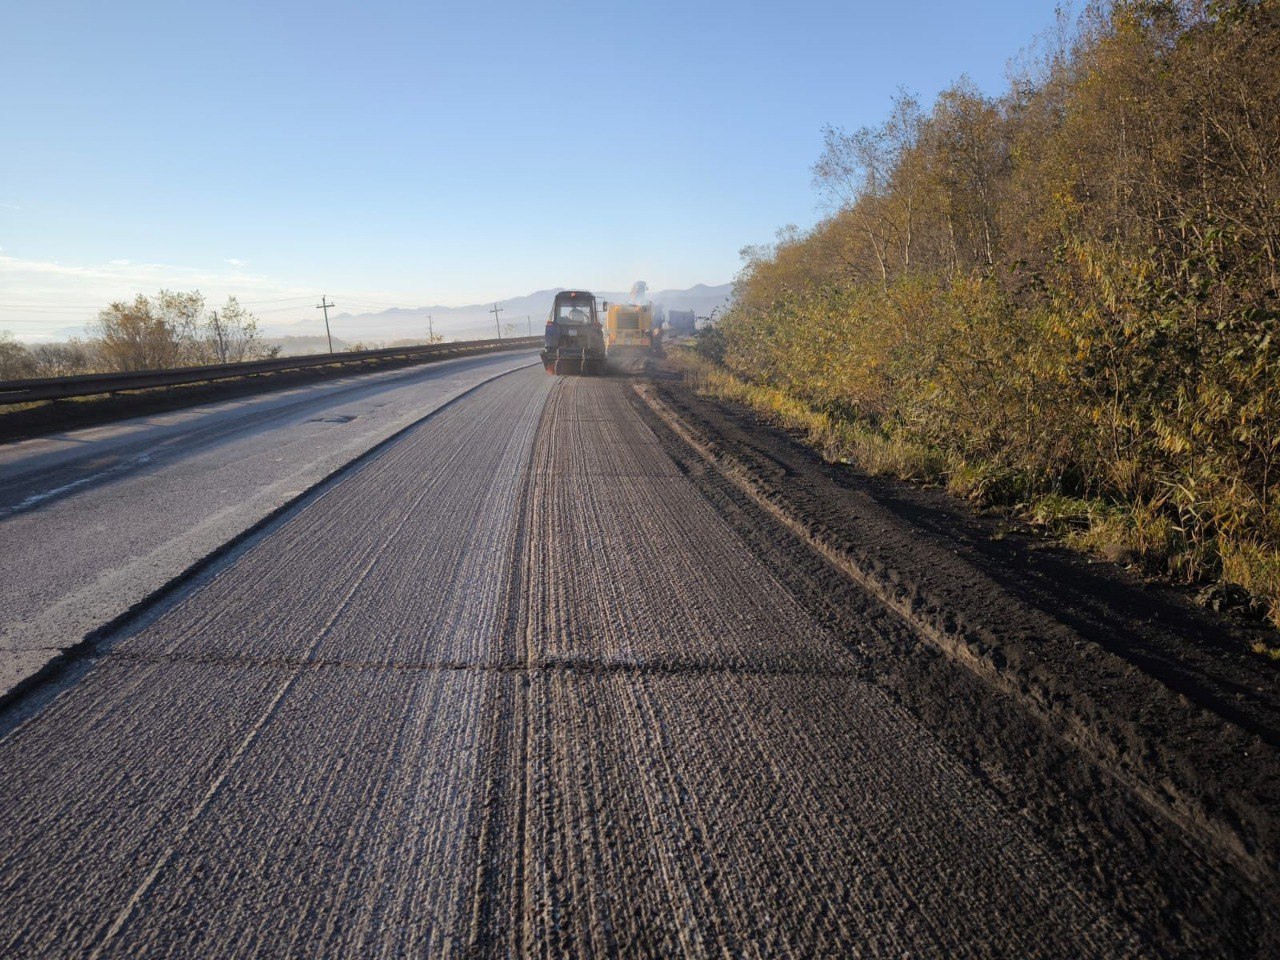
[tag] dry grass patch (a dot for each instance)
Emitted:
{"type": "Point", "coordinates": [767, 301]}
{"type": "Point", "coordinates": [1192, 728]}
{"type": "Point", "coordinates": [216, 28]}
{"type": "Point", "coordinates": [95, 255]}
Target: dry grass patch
{"type": "Point", "coordinates": [839, 440]}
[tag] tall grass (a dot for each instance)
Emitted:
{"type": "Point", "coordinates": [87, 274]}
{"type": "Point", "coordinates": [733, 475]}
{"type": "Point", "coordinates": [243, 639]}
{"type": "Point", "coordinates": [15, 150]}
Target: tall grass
{"type": "Point", "coordinates": [839, 440]}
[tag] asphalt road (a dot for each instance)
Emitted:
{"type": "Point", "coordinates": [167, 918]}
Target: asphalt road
{"type": "Point", "coordinates": [509, 687]}
{"type": "Point", "coordinates": [97, 519]}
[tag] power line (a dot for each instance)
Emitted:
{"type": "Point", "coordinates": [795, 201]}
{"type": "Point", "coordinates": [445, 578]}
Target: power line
{"type": "Point", "coordinates": [244, 303]}
{"type": "Point", "coordinates": [279, 300]}
{"type": "Point", "coordinates": [377, 304]}
{"type": "Point", "coordinates": [58, 321]}
{"type": "Point", "coordinates": [301, 306]}
{"type": "Point", "coordinates": [49, 306]}
{"type": "Point", "coordinates": [66, 323]}
{"type": "Point", "coordinates": [40, 322]}
{"type": "Point", "coordinates": [98, 306]}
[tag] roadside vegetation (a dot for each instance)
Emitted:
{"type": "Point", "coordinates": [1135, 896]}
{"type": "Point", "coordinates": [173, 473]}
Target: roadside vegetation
{"type": "Point", "coordinates": [1064, 300]}
{"type": "Point", "coordinates": [148, 333]}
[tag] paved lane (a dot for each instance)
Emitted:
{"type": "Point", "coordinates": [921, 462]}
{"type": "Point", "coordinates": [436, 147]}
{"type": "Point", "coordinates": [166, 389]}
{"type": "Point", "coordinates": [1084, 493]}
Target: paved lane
{"type": "Point", "coordinates": [99, 518]}
{"type": "Point", "coordinates": [511, 687]}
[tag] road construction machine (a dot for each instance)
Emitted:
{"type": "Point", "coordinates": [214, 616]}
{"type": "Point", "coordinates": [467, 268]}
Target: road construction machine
{"type": "Point", "coordinates": [633, 329]}
{"type": "Point", "coordinates": [574, 337]}
{"type": "Point", "coordinates": [628, 329]}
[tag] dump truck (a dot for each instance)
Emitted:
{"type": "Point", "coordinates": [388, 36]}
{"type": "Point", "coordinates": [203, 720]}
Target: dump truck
{"type": "Point", "coordinates": [574, 340]}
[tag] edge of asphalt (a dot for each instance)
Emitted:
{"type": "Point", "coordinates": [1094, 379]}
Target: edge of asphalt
{"type": "Point", "coordinates": [58, 665]}
{"type": "Point", "coordinates": [1165, 779]}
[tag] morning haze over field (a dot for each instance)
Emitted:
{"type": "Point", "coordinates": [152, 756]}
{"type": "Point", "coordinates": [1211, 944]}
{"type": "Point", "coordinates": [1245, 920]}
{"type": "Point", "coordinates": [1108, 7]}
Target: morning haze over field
{"type": "Point", "coordinates": [410, 155]}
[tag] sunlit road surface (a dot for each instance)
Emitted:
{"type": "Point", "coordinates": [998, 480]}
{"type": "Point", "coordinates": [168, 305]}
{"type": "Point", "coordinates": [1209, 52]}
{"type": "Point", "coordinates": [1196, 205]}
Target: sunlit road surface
{"type": "Point", "coordinates": [510, 687]}
{"type": "Point", "coordinates": [92, 521]}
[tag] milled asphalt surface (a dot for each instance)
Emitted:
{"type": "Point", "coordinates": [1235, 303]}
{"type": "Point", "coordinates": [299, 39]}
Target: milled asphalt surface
{"type": "Point", "coordinates": [94, 520]}
{"type": "Point", "coordinates": [509, 687]}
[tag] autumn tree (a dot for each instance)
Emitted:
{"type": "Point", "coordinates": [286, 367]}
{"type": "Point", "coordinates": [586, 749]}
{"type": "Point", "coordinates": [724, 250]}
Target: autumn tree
{"type": "Point", "coordinates": [150, 333]}
{"type": "Point", "coordinates": [15, 360]}
{"type": "Point", "coordinates": [232, 334]}
{"type": "Point", "coordinates": [1074, 287]}
{"type": "Point", "coordinates": [171, 330]}
{"type": "Point", "coordinates": [62, 359]}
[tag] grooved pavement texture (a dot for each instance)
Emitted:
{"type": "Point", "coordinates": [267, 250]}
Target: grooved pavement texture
{"type": "Point", "coordinates": [511, 687]}
{"type": "Point", "coordinates": [99, 518]}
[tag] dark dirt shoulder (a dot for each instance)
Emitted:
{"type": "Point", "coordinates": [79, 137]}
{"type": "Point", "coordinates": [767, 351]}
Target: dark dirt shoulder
{"type": "Point", "coordinates": [1135, 730]}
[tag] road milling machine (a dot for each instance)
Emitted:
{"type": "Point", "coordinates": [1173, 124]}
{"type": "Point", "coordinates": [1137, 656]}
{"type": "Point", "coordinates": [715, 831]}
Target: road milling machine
{"type": "Point", "coordinates": [630, 328]}
{"type": "Point", "coordinates": [574, 338]}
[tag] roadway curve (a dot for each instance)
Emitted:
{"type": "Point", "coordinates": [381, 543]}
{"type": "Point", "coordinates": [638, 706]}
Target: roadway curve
{"type": "Point", "coordinates": [511, 686]}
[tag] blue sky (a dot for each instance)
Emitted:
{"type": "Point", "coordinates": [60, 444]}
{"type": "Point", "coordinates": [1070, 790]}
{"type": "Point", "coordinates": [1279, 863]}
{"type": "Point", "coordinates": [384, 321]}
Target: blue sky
{"type": "Point", "coordinates": [420, 153]}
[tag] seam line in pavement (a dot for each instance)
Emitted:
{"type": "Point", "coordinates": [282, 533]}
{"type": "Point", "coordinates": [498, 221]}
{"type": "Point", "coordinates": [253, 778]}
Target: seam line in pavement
{"type": "Point", "coordinates": [579, 667]}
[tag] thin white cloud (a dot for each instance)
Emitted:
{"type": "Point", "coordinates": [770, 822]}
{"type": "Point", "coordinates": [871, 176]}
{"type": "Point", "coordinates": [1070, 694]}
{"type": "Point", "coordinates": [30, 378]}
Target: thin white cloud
{"type": "Point", "coordinates": [10, 206]}
{"type": "Point", "coordinates": [41, 297]}
{"type": "Point", "coordinates": [23, 280]}
{"type": "Point", "coordinates": [232, 261]}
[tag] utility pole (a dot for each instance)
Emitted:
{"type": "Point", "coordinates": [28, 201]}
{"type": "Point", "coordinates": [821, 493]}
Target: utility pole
{"type": "Point", "coordinates": [324, 305]}
{"type": "Point", "coordinates": [431, 333]}
{"type": "Point", "coordinates": [495, 311]}
{"type": "Point", "coordinates": [529, 321]}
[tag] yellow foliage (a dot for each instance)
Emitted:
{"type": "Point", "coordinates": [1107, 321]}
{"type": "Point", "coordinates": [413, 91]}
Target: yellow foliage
{"type": "Point", "coordinates": [1067, 291]}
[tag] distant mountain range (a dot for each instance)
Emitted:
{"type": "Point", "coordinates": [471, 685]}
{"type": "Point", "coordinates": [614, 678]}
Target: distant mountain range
{"type": "Point", "coordinates": [519, 315]}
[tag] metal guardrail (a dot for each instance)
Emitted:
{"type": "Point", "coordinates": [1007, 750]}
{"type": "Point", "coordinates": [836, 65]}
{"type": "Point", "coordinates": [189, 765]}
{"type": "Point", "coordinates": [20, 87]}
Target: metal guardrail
{"type": "Point", "coordinates": [62, 388]}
